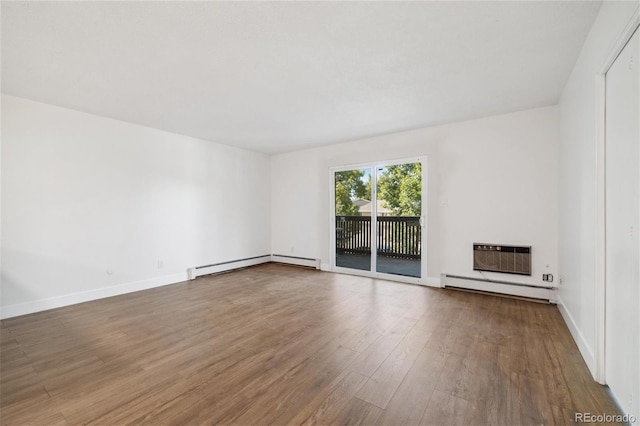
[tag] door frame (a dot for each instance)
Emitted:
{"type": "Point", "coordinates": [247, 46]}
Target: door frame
{"type": "Point", "coordinates": [601, 259]}
{"type": "Point", "coordinates": [332, 220]}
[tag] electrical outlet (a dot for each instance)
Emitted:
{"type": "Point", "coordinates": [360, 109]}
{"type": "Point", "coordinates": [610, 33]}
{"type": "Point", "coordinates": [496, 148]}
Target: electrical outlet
{"type": "Point", "coordinates": [547, 277]}
{"type": "Point", "coordinates": [160, 264]}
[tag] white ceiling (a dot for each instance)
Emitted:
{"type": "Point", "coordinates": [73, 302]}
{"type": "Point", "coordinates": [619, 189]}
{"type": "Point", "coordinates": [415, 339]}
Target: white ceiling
{"type": "Point", "coordinates": [279, 76]}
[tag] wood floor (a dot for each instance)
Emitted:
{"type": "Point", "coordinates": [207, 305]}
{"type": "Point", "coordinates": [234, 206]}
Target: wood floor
{"type": "Point", "coordinates": [275, 344]}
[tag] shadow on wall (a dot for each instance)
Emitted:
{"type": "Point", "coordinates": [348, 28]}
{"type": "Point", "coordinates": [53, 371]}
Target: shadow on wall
{"type": "Point", "coordinates": [32, 279]}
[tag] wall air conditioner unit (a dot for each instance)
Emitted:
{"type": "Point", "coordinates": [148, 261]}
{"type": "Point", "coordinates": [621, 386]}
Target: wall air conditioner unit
{"type": "Point", "coordinates": [501, 258]}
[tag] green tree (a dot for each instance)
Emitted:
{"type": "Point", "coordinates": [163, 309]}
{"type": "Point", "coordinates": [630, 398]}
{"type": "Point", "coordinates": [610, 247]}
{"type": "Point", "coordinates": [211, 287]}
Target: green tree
{"type": "Point", "coordinates": [400, 187]}
{"type": "Point", "coordinates": [349, 185]}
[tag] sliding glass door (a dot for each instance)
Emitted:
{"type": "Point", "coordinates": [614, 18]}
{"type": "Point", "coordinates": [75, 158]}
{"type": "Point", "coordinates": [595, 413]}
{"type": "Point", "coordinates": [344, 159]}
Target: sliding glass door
{"type": "Point", "coordinates": [377, 216]}
{"type": "Point", "coordinates": [399, 219]}
{"type": "Point", "coordinates": [352, 189]}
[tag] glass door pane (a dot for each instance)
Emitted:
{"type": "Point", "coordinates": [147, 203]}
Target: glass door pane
{"type": "Point", "coordinates": [399, 212]}
{"type": "Point", "coordinates": [353, 218]}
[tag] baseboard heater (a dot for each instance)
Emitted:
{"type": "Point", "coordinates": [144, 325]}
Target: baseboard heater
{"type": "Point", "coordinates": [295, 260]}
{"type": "Point", "coordinates": [500, 287]}
{"type": "Point", "coordinates": [230, 265]}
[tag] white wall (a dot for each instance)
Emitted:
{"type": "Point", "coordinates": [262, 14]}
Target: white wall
{"type": "Point", "coordinates": [577, 178]}
{"type": "Point", "coordinates": [492, 179]}
{"type": "Point", "coordinates": [578, 191]}
{"type": "Point", "coordinates": [84, 194]}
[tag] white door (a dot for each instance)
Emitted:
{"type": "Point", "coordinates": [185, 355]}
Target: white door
{"type": "Point", "coordinates": [622, 153]}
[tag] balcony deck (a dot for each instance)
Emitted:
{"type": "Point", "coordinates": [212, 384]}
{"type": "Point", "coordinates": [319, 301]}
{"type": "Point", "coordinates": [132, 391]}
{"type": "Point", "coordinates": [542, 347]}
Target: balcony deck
{"type": "Point", "coordinates": [388, 265]}
{"type": "Point", "coordinates": [398, 243]}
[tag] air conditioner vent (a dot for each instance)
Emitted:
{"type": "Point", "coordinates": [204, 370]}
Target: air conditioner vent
{"type": "Point", "coordinates": [501, 258]}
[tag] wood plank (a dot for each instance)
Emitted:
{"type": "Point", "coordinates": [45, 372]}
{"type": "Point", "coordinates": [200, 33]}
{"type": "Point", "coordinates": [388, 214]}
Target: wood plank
{"type": "Point", "coordinates": [20, 384]}
{"type": "Point", "coordinates": [325, 409]}
{"type": "Point", "coordinates": [358, 412]}
{"type": "Point", "coordinates": [292, 392]}
{"type": "Point", "coordinates": [444, 409]}
{"type": "Point", "coordinates": [41, 410]}
{"type": "Point", "coordinates": [385, 380]}
{"type": "Point", "coordinates": [409, 402]}
{"type": "Point", "coordinates": [371, 359]}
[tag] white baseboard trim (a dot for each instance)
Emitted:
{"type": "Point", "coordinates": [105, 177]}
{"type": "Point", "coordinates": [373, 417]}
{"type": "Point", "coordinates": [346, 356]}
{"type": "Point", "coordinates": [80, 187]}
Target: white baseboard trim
{"type": "Point", "coordinates": [585, 350]}
{"type": "Point", "coordinates": [294, 260]}
{"type": "Point", "coordinates": [511, 289]}
{"type": "Point", "coordinates": [215, 268]}
{"type": "Point", "coordinates": [433, 282]}
{"type": "Point", "coordinates": [11, 311]}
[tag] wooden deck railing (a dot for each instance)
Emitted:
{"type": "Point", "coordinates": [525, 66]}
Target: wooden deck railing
{"type": "Point", "coordinates": [396, 236]}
